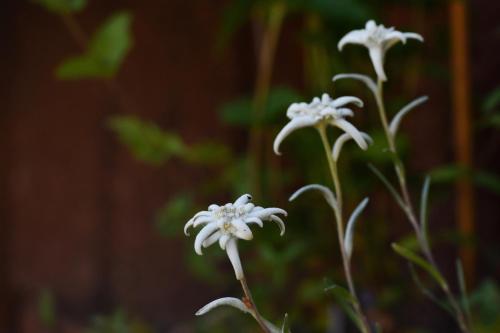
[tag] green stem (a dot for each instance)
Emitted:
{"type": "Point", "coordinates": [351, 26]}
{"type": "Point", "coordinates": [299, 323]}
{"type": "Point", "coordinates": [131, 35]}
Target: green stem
{"type": "Point", "coordinates": [365, 327]}
{"type": "Point", "coordinates": [410, 212]}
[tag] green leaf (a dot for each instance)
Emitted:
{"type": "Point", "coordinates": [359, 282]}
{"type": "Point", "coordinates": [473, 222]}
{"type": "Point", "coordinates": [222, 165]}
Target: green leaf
{"type": "Point", "coordinates": [463, 290]}
{"type": "Point", "coordinates": [46, 309]}
{"type": "Point", "coordinates": [172, 216]}
{"type": "Point", "coordinates": [239, 112]}
{"type": "Point", "coordinates": [234, 16]}
{"type": "Point", "coordinates": [388, 185]}
{"type": "Point", "coordinates": [345, 301]}
{"type": "Point", "coordinates": [62, 6]}
{"type": "Point", "coordinates": [424, 200]}
{"type": "Point", "coordinates": [492, 100]}
{"type": "Point", "coordinates": [147, 142]}
{"type": "Point", "coordinates": [105, 53]}
{"type": "Point", "coordinates": [209, 153]}
{"type": "Point", "coordinates": [411, 256]}
{"type": "Point", "coordinates": [428, 293]}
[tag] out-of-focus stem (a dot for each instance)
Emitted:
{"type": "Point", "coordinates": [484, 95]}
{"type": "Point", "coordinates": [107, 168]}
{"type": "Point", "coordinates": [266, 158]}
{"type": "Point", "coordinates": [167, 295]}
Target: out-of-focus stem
{"type": "Point", "coordinates": [365, 327]}
{"type": "Point", "coordinates": [410, 212]}
{"type": "Point", "coordinates": [265, 64]}
{"type": "Point", "coordinates": [249, 298]}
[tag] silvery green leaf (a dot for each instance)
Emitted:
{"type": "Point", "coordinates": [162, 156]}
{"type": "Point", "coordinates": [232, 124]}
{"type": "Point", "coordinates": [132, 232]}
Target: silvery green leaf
{"type": "Point", "coordinates": [463, 290]}
{"type": "Point", "coordinates": [348, 240]}
{"type": "Point", "coordinates": [387, 184]}
{"type": "Point", "coordinates": [285, 328]}
{"type": "Point", "coordinates": [225, 301]}
{"type": "Point", "coordinates": [360, 77]}
{"type": "Point", "coordinates": [339, 143]}
{"type": "Point", "coordinates": [424, 199]}
{"type": "Point", "coordinates": [393, 127]}
{"type": "Point", "coordinates": [416, 259]}
{"type": "Point", "coordinates": [325, 191]}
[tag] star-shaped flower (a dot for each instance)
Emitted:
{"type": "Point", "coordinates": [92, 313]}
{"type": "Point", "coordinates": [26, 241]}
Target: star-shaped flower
{"type": "Point", "coordinates": [228, 223]}
{"type": "Point", "coordinates": [324, 110]}
{"type": "Point", "coordinates": [377, 39]}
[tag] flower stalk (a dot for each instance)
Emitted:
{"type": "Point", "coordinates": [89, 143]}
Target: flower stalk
{"type": "Point", "coordinates": [332, 164]}
{"type": "Point", "coordinates": [411, 215]}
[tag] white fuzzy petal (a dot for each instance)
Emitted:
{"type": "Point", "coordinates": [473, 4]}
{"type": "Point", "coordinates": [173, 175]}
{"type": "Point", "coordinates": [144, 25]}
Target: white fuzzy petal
{"type": "Point", "coordinates": [280, 223]}
{"type": "Point", "coordinates": [225, 301]}
{"type": "Point", "coordinates": [213, 207]}
{"type": "Point", "coordinates": [342, 101]}
{"type": "Point", "coordinates": [293, 125]}
{"type": "Point", "coordinates": [412, 35]}
{"type": "Point", "coordinates": [352, 131]}
{"type": "Point", "coordinates": [202, 235]}
{"type": "Point", "coordinates": [345, 112]}
{"type": "Point", "coordinates": [234, 257]}
{"type": "Point", "coordinates": [339, 143]}
{"type": "Point", "coordinates": [188, 225]}
{"type": "Point", "coordinates": [325, 191]}
{"type": "Point", "coordinates": [255, 220]}
{"type": "Point", "coordinates": [377, 58]}
{"type": "Point", "coordinates": [212, 239]}
{"type": "Point", "coordinates": [242, 230]}
{"type": "Point", "coordinates": [393, 127]}
{"type": "Point", "coordinates": [350, 227]}
{"type": "Point", "coordinates": [363, 78]}
{"type": "Point", "coordinates": [223, 241]}
{"type": "Point", "coordinates": [202, 220]}
{"type": "Point", "coordinates": [353, 37]}
{"type": "Point", "coordinates": [244, 199]}
{"type": "Point", "coordinates": [266, 212]}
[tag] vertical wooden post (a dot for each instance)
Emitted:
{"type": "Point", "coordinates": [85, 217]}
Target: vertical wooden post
{"type": "Point", "coordinates": [460, 90]}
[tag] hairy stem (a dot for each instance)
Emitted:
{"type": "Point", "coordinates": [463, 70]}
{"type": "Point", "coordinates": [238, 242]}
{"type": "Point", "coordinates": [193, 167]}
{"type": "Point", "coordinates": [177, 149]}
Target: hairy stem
{"type": "Point", "coordinates": [249, 298]}
{"type": "Point", "coordinates": [365, 327]}
{"type": "Point", "coordinates": [410, 212]}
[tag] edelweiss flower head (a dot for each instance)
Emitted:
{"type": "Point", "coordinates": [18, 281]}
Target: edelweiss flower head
{"type": "Point", "coordinates": [377, 39]}
{"type": "Point", "coordinates": [228, 223]}
{"type": "Point", "coordinates": [324, 110]}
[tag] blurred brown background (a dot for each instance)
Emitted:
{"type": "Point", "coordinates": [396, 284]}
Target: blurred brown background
{"type": "Point", "coordinates": [76, 207]}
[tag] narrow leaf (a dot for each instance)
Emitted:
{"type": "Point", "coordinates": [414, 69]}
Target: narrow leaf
{"type": "Point", "coordinates": [463, 290]}
{"type": "Point", "coordinates": [325, 191]}
{"type": "Point", "coordinates": [225, 301]}
{"type": "Point", "coordinates": [339, 143]}
{"type": "Point", "coordinates": [393, 127]}
{"type": "Point", "coordinates": [363, 78]}
{"type": "Point", "coordinates": [424, 201]}
{"type": "Point", "coordinates": [411, 256]}
{"type": "Point", "coordinates": [348, 240]}
{"type": "Point", "coordinates": [285, 328]}
{"type": "Point", "coordinates": [387, 184]}
{"type": "Point", "coordinates": [427, 292]}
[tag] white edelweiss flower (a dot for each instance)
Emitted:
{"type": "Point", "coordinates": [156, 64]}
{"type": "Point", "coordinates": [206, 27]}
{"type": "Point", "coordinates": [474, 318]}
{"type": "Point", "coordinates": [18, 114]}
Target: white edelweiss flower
{"type": "Point", "coordinates": [321, 110]}
{"type": "Point", "coordinates": [228, 223]}
{"type": "Point", "coordinates": [377, 39]}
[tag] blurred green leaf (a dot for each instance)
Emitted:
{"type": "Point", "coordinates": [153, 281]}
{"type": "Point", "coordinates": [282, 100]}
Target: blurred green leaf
{"type": "Point", "coordinates": [424, 202]}
{"type": "Point", "coordinates": [345, 301]}
{"type": "Point", "coordinates": [451, 173]}
{"type": "Point", "coordinates": [209, 153]}
{"type": "Point", "coordinates": [174, 214]}
{"type": "Point", "coordinates": [47, 309]}
{"type": "Point", "coordinates": [491, 120]}
{"type": "Point", "coordinates": [62, 6]}
{"type": "Point", "coordinates": [239, 112]}
{"type": "Point", "coordinates": [338, 10]}
{"type": "Point", "coordinates": [492, 100]}
{"type": "Point", "coordinates": [234, 16]}
{"type": "Point", "coordinates": [147, 142]}
{"type": "Point", "coordinates": [105, 53]}
{"type": "Point", "coordinates": [485, 302]}
{"type": "Point", "coordinates": [419, 261]}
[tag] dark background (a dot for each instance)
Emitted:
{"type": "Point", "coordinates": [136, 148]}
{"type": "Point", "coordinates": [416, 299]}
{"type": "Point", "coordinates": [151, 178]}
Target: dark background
{"type": "Point", "coordinates": [76, 208]}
